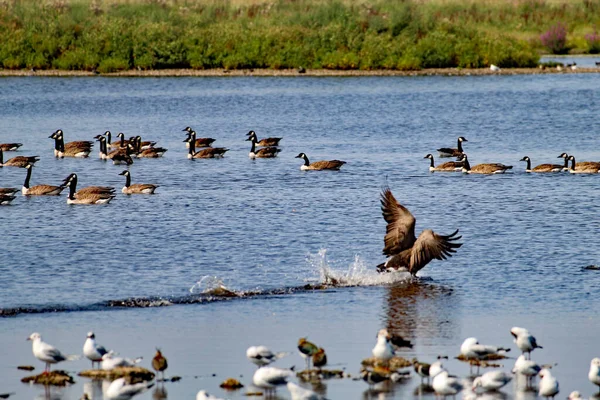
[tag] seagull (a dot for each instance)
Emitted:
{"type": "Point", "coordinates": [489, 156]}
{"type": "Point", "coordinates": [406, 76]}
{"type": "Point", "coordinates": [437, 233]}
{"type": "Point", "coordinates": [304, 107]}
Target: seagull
{"type": "Point", "coordinates": [524, 340]}
{"type": "Point", "coordinates": [445, 385]}
{"type": "Point", "coordinates": [405, 251]}
{"type": "Point", "coordinates": [436, 368]}
{"type": "Point", "coordinates": [261, 355]}
{"type": "Point", "coordinates": [471, 349]}
{"type": "Point", "coordinates": [300, 393]}
{"type": "Point", "coordinates": [119, 389]}
{"type": "Point", "coordinates": [594, 374]}
{"type": "Point", "coordinates": [307, 349]}
{"type": "Point", "coordinates": [548, 384]}
{"type": "Point", "coordinates": [92, 350]}
{"type": "Point", "coordinates": [268, 378]}
{"type": "Point", "coordinates": [575, 395]}
{"type": "Point", "coordinates": [109, 361]}
{"type": "Point", "coordinates": [526, 367]}
{"type": "Point", "coordinates": [492, 380]}
{"type": "Point", "coordinates": [494, 68]}
{"type": "Point", "coordinates": [47, 353]}
{"type": "Point", "coordinates": [384, 349]}
{"type": "Point", "coordinates": [202, 395]}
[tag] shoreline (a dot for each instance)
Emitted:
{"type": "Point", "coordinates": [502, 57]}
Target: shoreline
{"type": "Point", "coordinates": [294, 72]}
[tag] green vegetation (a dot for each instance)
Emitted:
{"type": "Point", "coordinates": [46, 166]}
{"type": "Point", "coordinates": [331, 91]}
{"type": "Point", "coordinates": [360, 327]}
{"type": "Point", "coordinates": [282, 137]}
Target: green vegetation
{"type": "Point", "coordinates": [333, 34]}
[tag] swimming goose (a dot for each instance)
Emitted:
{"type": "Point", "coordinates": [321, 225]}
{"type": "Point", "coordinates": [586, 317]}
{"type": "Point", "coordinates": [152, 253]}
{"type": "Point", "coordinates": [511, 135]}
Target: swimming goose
{"type": "Point", "coordinates": [449, 152]}
{"type": "Point", "coordinates": [10, 146]}
{"type": "Point", "coordinates": [579, 165]}
{"type": "Point", "coordinates": [586, 167]}
{"type": "Point", "coordinates": [266, 142]}
{"type": "Point", "coordinates": [39, 190]}
{"type": "Point", "coordinates": [450, 166]}
{"type": "Point", "coordinates": [8, 191]}
{"type": "Point", "coordinates": [209, 152]}
{"type": "Point", "coordinates": [405, 251]}
{"type": "Point", "coordinates": [79, 148]}
{"type": "Point", "coordinates": [143, 145]}
{"type": "Point", "coordinates": [18, 161]}
{"type": "Point", "coordinates": [86, 198]}
{"type": "Point", "coordinates": [319, 165]}
{"type": "Point", "coordinates": [88, 189]}
{"type": "Point", "coordinates": [121, 156]}
{"type": "Point", "coordinates": [200, 142]}
{"type": "Point", "coordinates": [542, 167]}
{"type": "Point", "coordinates": [136, 188]}
{"type": "Point", "coordinates": [265, 152]}
{"type": "Point", "coordinates": [5, 199]}
{"type": "Point", "coordinates": [117, 144]}
{"type": "Point", "coordinates": [149, 152]}
{"type": "Point", "coordinates": [492, 168]}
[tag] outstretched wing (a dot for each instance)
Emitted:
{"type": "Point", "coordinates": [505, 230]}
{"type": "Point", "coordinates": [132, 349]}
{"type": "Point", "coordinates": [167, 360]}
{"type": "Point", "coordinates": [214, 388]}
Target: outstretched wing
{"type": "Point", "coordinates": [400, 229]}
{"type": "Point", "coordinates": [431, 246]}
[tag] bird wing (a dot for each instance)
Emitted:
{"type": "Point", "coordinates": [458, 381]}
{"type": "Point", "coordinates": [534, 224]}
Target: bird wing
{"type": "Point", "coordinates": [325, 164]}
{"type": "Point", "coordinates": [431, 246]}
{"type": "Point", "coordinates": [52, 352]}
{"type": "Point", "coordinates": [400, 229]}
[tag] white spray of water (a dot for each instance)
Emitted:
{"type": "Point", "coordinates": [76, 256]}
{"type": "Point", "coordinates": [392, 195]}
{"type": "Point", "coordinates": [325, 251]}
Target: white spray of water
{"type": "Point", "coordinates": [358, 273]}
{"type": "Point", "coordinates": [207, 284]}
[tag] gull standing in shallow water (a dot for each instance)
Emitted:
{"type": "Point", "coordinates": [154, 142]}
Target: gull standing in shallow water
{"type": "Point", "coordinates": [261, 355]}
{"type": "Point", "coordinates": [524, 340]}
{"type": "Point", "coordinates": [527, 368]}
{"type": "Point", "coordinates": [384, 348]}
{"type": "Point", "coordinates": [92, 350]}
{"type": "Point", "coordinates": [202, 395]}
{"type": "Point", "coordinates": [471, 349]}
{"type": "Point", "coordinates": [548, 384]}
{"type": "Point", "coordinates": [268, 378]}
{"type": "Point", "coordinates": [120, 389]}
{"type": "Point", "coordinates": [109, 361]}
{"type": "Point", "coordinates": [47, 353]}
{"type": "Point", "coordinates": [300, 393]}
{"type": "Point", "coordinates": [445, 385]}
{"type": "Point", "coordinates": [492, 380]}
{"type": "Point", "coordinates": [594, 374]}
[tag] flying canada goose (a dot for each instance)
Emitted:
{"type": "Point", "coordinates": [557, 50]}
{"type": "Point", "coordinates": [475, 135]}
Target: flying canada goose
{"type": "Point", "coordinates": [405, 251]}
{"type": "Point", "coordinates": [79, 148]}
{"type": "Point", "coordinates": [117, 144]}
{"type": "Point", "coordinates": [121, 156]}
{"type": "Point", "coordinates": [143, 145]}
{"type": "Point", "coordinates": [209, 152]}
{"type": "Point", "coordinates": [320, 165]}
{"type": "Point", "coordinates": [150, 152]}
{"type": "Point", "coordinates": [266, 142]}
{"type": "Point", "coordinates": [580, 165]}
{"type": "Point", "coordinates": [5, 199]}
{"type": "Point", "coordinates": [542, 167]}
{"type": "Point", "coordinates": [18, 161]}
{"type": "Point", "coordinates": [492, 168]}
{"type": "Point", "coordinates": [265, 152]}
{"type": "Point", "coordinates": [450, 166]}
{"type": "Point", "coordinates": [10, 146]}
{"type": "Point", "coordinates": [136, 188]}
{"type": "Point", "coordinates": [88, 196]}
{"type": "Point", "coordinates": [448, 152]}
{"type": "Point", "coordinates": [39, 190]}
{"type": "Point", "coordinates": [587, 167]}
{"type": "Point", "coordinates": [200, 142]}
{"type": "Point", "coordinates": [8, 191]}
{"type": "Point", "coordinates": [103, 190]}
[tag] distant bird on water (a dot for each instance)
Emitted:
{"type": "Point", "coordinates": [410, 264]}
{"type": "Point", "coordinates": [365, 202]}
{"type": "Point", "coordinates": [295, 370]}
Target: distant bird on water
{"type": "Point", "coordinates": [47, 353]}
{"type": "Point", "coordinates": [456, 152]}
{"type": "Point", "coordinates": [405, 251]}
{"type": "Point", "coordinates": [159, 363]}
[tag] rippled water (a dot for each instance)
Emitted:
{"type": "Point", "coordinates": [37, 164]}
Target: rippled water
{"type": "Point", "coordinates": [265, 229]}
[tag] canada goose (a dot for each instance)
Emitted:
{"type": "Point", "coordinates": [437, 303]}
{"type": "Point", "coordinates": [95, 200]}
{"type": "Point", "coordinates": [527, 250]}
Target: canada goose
{"type": "Point", "coordinates": [266, 142]}
{"type": "Point", "coordinates": [79, 148]}
{"type": "Point", "coordinates": [542, 167]}
{"type": "Point", "coordinates": [492, 168]}
{"type": "Point", "coordinates": [320, 165]}
{"type": "Point", "coordinates": [10, 146]}
{"type": "Point", "coordinates": [88, 189]}
{"type": "Point", "coordinates": [404, 250]}
{"type": "Point", "coordinates": [86, 197]}
{"type": "Point", "coordinates": [8, 191]}
{"type": "Point", "coordinates": [117, 144]}
{"type": "Point", "coordinates": [150, 152]}
{"type": "Point", "coordinates": [121, 156]}
{"type": "Point", "coordinates": [582, 165]}
{"type": "Point", "coordinates": [5, 199]}
{"type": "Point", "coordinates": [209, 152]}
{"type": "Point", "coordinates": [448, 152]}
{"type": "Point", "coordinates": [136, 188]}
{"type": "Point", "coordinates": [265, 152]}
{"type": "Point", "coordinates": [39, 190]}
{"type": "Point", "coordinates": [587, 167]}
{"type": "Point", "coordinates": [450, 166]}
{"type": "Point", "coordinates": [18, 161]}
{"type": "Point", "coordinates": [200, 142]}
{"type": "Point", "coordinates": [143, 145]}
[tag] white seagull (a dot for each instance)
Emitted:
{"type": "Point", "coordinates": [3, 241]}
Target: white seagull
{"type": "Point", "coordinates": [261, 355]}
{"type": "Point", "coordinates": [436, 368]}
{"type": "Point", "coordinates": [268, 378]}
{"type": "Point", "coordinates": [445, 385]}
{"type": "Point", "coordinates": [494, 68]}
{"type": "Point", "coordinates": [575, 395]}
{"type": "Point", "coordinates": [300, 393]}
{"type": "Point", "coordinates": [202, 395]}
{"type": "Point", "coordinates": [526, 367]}
{"type": "Point", "coordinates": [594, 374]}
{"type": "Point", "coordinates": [92, 350]}
{"type": "Point", "coordinates": [47, 353]}
{"type": "Point", "coordinates": [524, 340]}
{"type": "Point", "coordinates": [492, 380]}
{"type": "Point", "coordinates": [109, 361]}
{"type": "Point", "coordinates": [384, 349]}
{"type": "Point", "coordinates": [548, 384]}
{"type": "Point", "coordinates": [119, 389]}
{"type": "Point", "coordinates": [471, 349]}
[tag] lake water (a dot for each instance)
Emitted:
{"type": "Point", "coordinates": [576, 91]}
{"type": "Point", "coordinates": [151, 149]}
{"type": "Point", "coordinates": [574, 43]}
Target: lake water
{"type": "Point", "coordinates": [265, 229]}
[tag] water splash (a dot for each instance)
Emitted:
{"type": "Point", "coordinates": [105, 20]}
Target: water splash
{"type": "Point", "coordinates": [358, 273]}
{"type": "Point", "coordinates": [212, 285]}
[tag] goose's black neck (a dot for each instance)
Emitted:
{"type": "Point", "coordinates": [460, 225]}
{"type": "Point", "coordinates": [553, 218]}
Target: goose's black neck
{"type": "Point", "coordinates": [1, 157]}
{"type": "Point", "coordinates": [253, 148]}
{"type": "Point", "coordinates": [192, 148]}
{"type": "Point", "coordinates": [108, 137]}
{"type": "Point", "coordinates": [127, 180]}
{"type": "Point", "coordinates": [122, 137]}
{"type": "Point", "coordinates": [460, 146]}
{"type": "Point", "coordinates": [103, 148]}
{"type": "Point", "coordinates": [72, 187]}
{"type": "Point", "coordinates": [572, 163]}
{"type": "Point", "coordinates": [306, 162]}
{"type": "Point", "coordinates": [466, 164]}
{"type": "Point", "coordinates": [566, 162]}
{"type": "Point", "coordinates": [432, 165]}
{"type": "Point", "coordinates": [27, 178]}
{"type": "Point", "coordinates": [61, 145]}
{"type": "Point", "coordinates": [528, 165]}
{"type": "Point", "coordinates": [56, 144]}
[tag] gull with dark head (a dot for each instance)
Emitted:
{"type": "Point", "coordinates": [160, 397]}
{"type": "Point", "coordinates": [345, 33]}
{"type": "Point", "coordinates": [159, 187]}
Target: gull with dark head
{"type": "Point", "coordinates": [92, 350]}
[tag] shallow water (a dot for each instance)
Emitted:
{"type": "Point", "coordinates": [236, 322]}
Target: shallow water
{"type": "Point", "coordinates": [265, 229]}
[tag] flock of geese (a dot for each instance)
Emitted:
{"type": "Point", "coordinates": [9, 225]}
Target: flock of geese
{"type": "Point", "coordinates": [123, 152]}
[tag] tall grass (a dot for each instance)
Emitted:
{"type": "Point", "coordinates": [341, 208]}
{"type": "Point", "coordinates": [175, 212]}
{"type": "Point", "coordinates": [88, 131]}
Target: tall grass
{"type": "Point", "coordinates": [336, 34]}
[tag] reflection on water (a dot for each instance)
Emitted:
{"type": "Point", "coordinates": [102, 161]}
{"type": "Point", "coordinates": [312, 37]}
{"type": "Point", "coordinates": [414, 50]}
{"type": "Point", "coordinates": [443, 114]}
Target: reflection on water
{"type": "Point", "coordinates": [160, 392]}
{"type": "Point", "coordinates": [51, 393]}
{"type": "Point", "coordinates": [93, 389]}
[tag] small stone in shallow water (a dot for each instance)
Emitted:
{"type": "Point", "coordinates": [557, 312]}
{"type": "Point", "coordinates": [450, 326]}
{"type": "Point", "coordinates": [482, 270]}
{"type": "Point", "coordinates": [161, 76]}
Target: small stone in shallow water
{"type": "Point", "coordinates": [592, 268]}
{"type": "Point", "coordinates": [231, 383]}
{"type": "Point", "coordinates": [175, 378]}
{"type": "Point", "coordinates": [253, 394]}
{"type": "Point", "coordinates": [54, 378]}
{"type": "Point", "coordinates": [394, 363]}
{"type": "Point", "coordinates": [318, 374]}
{"type": "Point", "coordinates": [137, 374]}
{"type": "Point", "coordinates": [25, 368]}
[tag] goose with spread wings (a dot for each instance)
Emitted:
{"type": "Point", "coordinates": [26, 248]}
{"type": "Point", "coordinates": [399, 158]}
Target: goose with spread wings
{"type": "Point", "coordinates": [405, 251]}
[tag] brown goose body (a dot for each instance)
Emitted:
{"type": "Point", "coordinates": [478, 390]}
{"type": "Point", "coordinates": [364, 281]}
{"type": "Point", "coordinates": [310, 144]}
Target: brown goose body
{"type": "Point", "coordinates": [150, 152]}
{"type": "Point", "coordinates": [450, 152]}
{"type": "Point", "coordinates": [120, 156]}
{"type": "Point", "coordinates": [209, 152]}
{"type": "Point", "coordinates": [10, 146]}
{"type": "Point", "coordinates": [542, 168]}
{"type": "Point", "coordinates": [19, 161]}
{"type": "Point", "coordinates": [450, 166]}
{"type": "Point", "coordinates": [265, 142]}
{"type": "Point", "coordinates": [5, 199]}
{"type": "Point", "coordinates": [585, 167]}
{"type": "Point", "coordinates": [118, 144]}
{"type": "Point", "coordinates": [79, 148]}
{"type": "Point", "coordinates": [88, 195]}
{"type": "Point", "coordinates": [405, 251]}
{"type": "Point", "coordinates": [8, 191]}
{"type": "Point", "coordinates": [136, 188]}
{"type": "Point", "coordinates": [137, 141]}
{"type": "Point", "coordinates": [484, 169]}
{"type": "Point", "coordinates": [39, 190]}
{"type": "Point", "coordinates": [199, 142]}
{"type": "Point", "coordinates": [334, 165]}
{"type": "Point", "coordinates": [265, 152]}
{"type": "Point", "coordinates": [88, 190]}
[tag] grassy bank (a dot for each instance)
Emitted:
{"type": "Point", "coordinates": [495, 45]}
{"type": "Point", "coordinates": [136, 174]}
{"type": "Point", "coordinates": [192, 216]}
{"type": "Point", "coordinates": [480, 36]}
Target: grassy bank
{"type": "Point", "coordinates": [113, 36]}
